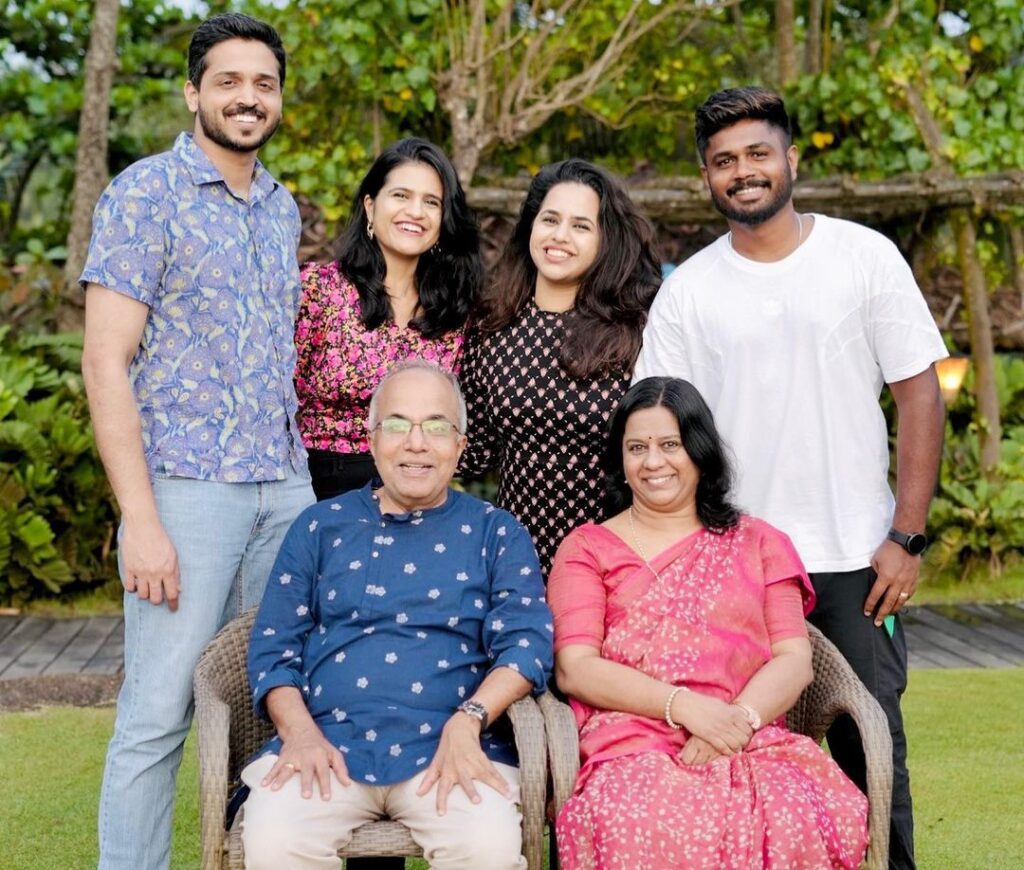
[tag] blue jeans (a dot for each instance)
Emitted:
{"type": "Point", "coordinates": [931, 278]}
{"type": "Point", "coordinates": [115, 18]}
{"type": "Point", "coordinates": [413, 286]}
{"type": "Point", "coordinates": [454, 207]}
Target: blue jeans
{"type": "Point", "coordinates": [226, 536]}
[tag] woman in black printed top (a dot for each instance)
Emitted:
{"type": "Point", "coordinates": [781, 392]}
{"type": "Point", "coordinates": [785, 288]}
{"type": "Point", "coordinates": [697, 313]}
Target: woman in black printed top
{"type": "Point", "coordinates": [552, 346]}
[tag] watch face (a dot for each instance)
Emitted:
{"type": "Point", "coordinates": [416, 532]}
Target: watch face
{"type": "Point", "coordinates": [915, 544]}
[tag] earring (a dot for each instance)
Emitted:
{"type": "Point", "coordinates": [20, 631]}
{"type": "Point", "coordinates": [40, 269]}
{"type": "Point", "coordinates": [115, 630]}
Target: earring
{"type": "Point", "coordinates": [369, 230]}
{"type": "Point", "coordinates": [436, 250]}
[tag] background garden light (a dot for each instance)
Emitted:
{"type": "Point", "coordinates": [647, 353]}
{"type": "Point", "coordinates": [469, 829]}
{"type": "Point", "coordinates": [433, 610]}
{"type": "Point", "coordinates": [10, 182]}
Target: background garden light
{"type": "Point", "coordinates": [951, 372]}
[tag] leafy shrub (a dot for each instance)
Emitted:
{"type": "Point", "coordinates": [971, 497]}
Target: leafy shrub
{"type": "Point", "coordinates": [57, 515]}
{"type": "Point", "coordinates": [976, 518]}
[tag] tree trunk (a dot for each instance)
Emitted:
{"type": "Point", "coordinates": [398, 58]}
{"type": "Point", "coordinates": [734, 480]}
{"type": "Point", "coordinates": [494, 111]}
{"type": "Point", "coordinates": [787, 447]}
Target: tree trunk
{"type": "Point", "coordinates": [1016, 236]}
{"type": "Point", "coordinates": [785, 41]}
{"type": "Point", "coordinates": [812, 48]}
{"type": "Point", "coordinates": [980, 332]}
{"type": "Point", "coordinates": [91, 157]}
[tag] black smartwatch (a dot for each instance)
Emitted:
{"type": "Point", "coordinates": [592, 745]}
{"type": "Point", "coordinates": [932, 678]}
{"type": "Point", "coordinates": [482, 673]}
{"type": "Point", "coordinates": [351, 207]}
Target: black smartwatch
{"type": "Point", "coordinates": [913, 542]}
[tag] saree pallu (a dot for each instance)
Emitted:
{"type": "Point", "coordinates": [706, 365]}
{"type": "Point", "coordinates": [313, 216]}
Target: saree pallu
{"type": "Point", "coordinates": [699, 623]}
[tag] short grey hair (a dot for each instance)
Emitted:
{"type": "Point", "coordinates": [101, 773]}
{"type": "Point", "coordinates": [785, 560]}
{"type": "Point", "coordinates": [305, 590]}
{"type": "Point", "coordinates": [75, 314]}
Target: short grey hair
{"type": "Point", "coordinates": [418, 364]}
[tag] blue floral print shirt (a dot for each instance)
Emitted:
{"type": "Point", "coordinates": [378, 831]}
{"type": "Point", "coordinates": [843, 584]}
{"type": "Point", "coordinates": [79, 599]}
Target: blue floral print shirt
{"type": "Point", "coordinates": [213, 374]}
{"type": "Point", "coordinates": [387, 623]}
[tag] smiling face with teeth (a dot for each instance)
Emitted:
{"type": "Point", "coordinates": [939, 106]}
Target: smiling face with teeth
{"type": "Point", "coordinates": [415, 468]}
{"type": "Point", "coordinates": [749, 171]}
{"type": "Point", "coordinates": [566, 236]}
{"type": "Point", "coordinates": [237, 102]}
{"type": "Point", "coordinates": [406, 213]}
{"type": "Point", "coordinates": [657, 467]}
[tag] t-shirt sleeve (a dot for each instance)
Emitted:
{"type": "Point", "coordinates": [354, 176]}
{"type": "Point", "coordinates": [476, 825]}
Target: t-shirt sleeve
{"type": "Point", "coordinates": [664, 348]}
{"type": "Point", "coordinates": [576, 594]}
{"type": "Point", "coordinates": [127, 251]}
{"type": "Point", "coordinates": [903, 333]}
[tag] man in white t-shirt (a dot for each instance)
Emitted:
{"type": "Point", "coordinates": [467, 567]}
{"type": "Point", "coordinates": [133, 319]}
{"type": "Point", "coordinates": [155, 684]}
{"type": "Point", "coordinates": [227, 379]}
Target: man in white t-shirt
{"type": "Point", "coordinates": [789, 326]}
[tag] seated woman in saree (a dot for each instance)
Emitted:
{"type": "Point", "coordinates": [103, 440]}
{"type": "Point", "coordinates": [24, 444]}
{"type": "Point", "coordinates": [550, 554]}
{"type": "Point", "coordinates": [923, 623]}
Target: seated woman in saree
{"type": "Point", "coordinates": [680, 640]}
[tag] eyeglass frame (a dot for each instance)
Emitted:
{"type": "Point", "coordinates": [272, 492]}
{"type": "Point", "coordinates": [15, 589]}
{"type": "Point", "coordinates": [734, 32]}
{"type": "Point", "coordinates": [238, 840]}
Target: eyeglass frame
{"type": "Point", "coordinates": [379, 427]}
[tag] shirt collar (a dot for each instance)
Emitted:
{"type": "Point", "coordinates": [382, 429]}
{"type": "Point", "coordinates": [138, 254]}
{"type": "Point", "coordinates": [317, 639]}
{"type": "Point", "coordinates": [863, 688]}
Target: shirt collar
{"type": "Point", "coordinates": [202, 170]}
{"type": "Point", "coordinates": [373, 505]}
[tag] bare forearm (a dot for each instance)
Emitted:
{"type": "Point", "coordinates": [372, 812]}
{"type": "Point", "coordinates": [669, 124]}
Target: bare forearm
{"type": "Point", "coordinates": [918, 448]}
{"type": "Point", "coordinates": [118, 432]}
{"type": "Point", "coordinates": [288, 712]}
{"type": "Point", "coordinates": [612, 686]}
{"type": "Point", "coordinates": [499, 689]}
{"type": "Point", "coordinates": [776, 687]}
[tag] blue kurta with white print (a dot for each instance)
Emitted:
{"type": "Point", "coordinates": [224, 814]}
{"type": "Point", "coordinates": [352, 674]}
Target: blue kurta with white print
{"type": "Point", "coordinates": [386, 623]}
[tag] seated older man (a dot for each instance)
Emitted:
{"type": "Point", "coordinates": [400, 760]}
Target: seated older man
{"type": "Point", "coordinates": [399, 623]}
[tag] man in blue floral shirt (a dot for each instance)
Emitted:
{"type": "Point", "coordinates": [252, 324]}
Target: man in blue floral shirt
{"type": "Point", "coordinates": [192, 288]}
{"type": "Point", "coordinates": [399, 623]}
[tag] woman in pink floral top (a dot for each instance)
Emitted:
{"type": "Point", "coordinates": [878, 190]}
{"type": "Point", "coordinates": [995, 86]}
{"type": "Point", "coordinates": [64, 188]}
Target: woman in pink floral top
{"type": "Point", "coordinates": [407, 272]}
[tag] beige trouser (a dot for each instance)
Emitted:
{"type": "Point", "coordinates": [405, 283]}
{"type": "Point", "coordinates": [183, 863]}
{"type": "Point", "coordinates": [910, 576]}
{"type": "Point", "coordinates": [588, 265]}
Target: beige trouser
{"type": "Point", "coordinates": [281, 830]}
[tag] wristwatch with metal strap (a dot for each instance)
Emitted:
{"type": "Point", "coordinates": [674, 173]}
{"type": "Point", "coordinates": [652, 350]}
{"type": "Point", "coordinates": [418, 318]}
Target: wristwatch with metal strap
{"type": "Point", "coordinates": [477, 710]}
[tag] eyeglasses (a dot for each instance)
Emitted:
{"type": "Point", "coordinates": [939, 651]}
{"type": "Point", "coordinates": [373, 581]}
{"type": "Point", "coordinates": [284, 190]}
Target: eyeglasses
{"type": "Point", "coordinates": [435, 427]}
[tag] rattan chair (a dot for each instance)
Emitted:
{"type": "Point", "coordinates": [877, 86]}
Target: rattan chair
{"type": "Point", "coordinates": [229, 733]}
{"type": "Point", "coordinates": [835, 690]}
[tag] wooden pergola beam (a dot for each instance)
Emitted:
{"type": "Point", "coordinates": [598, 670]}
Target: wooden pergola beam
{"type": "Point", "coordinates": [684, 199]}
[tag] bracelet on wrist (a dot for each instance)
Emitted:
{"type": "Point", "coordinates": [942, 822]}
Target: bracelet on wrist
{"type": "Point", "coordinates": [675, 726]}
{"type": "Point", "coordinates": [753, 717]}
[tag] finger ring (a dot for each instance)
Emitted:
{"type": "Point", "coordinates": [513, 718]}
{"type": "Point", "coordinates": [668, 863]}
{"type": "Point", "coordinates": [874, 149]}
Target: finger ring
{"type": "Point", "coordinates": [904, 595]}
{"type": "Point", "coordinates": [292, 766]}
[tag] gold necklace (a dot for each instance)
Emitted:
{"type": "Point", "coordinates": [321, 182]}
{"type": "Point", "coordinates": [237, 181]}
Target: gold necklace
{"type": "Point", "coordinates": [639, 546]}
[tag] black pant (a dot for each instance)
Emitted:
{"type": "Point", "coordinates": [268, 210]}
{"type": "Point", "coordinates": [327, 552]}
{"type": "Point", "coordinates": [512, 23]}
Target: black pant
{"type": "Point", "coordinates": [335, 473]}
{"type": "Point", "coordinates": [881, 663]}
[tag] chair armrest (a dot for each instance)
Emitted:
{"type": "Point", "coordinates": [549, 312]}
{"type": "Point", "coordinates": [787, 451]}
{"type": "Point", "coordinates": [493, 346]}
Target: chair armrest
{"type": "Point", "coordinates": [836, 690]}
{"type": "Point", "coordinates": [213, 725]}
{"type": "Point", "coordinates": [563, 746]}
{"type": "Point", "coordinates": [528, 725]}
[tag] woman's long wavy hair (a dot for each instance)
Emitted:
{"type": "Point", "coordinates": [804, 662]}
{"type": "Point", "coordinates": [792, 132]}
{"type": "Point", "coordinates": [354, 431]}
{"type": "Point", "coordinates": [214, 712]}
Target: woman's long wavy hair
{"type": "Point", "coordinates": [604, 329]}
{"type": "Point", "coordinates": [701, 442]}
{"type": "Point", "coordinates": [448, 276]}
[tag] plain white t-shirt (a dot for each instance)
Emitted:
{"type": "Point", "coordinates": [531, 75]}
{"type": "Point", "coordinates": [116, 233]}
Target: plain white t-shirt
{"type": "Point", "coordinates": [791, 356]}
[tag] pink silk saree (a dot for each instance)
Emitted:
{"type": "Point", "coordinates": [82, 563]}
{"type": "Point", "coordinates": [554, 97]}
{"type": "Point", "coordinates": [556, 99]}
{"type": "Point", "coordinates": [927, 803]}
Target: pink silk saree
{"type": "Point", "coordinates": [781, 802]}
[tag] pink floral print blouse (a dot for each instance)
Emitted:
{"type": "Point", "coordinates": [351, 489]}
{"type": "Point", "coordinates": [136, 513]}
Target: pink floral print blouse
{"type": "Point", "coordinates": [340, 361]}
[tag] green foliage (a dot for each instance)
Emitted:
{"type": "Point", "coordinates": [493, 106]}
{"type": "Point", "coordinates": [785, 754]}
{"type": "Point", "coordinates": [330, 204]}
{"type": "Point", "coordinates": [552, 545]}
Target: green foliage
{"type": "Point", "coordinates": [974, 518]}
{"type": "Point", "coordinates": [966, 68]}
{"type": "Point", "coordinates": [57, 515]}
{"type": "Point", "coordinates": [42, 56]}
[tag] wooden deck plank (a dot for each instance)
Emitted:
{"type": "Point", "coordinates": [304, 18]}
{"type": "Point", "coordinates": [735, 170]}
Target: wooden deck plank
{"type": "Point", "coordinates": [916, 659]}
{"type": "Point", "coordinates": [974, 635]}
{"type": "Point", "coordinates": [20, 638]}
{"type": "Point", "coordinates": [1011, 611]}
{"type": "Point", "coordinates": [963, 652]}
{"type": "Point", "coordinates": [8, 624]}
{"type": "Point", "coordinates": [109, 658]}
{"type": "Point", "coordinates": [95, 634]}
{"type": "Point", "coordinates": [920, 645]}
{"type": "Point", "coordinates": [48, 646]}
{"type": "Point", "coordinates": [992, 625]}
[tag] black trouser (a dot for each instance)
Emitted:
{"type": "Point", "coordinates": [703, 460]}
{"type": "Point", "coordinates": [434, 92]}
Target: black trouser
{"type": "Point", "coordinates": [335, 473]}
{"type": "Point", "coordinates": [881, 663]}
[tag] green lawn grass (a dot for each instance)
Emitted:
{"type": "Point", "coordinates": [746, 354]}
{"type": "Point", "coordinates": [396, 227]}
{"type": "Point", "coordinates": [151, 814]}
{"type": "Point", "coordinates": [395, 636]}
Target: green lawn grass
{"type": "Point", "coordinates": [966, 761]}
